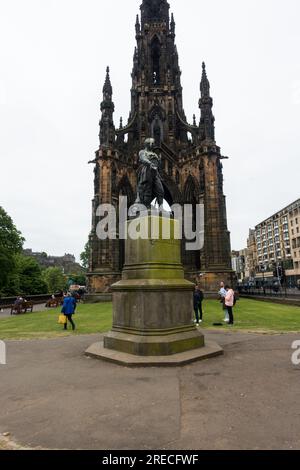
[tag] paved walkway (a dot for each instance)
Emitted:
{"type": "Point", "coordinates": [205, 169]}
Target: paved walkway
{"type": "Point", "coordinates": [52, 396]}
{"type": "Point", "coordinates": [37, 308]}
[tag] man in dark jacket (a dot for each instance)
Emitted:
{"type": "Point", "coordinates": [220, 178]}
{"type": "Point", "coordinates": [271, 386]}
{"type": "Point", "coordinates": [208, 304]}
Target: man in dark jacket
{"type": "Point", "coordinates": [68, 309]}
{"type": "Point", "coordinates": [198, 299]}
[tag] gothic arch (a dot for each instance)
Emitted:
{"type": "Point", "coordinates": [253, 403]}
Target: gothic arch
{"type": "Point", "coordinates": [191, 195]}
{"type": "Point", "coordinates": [191, 192]}
{"type": "Point", "coordinates": [172, 192]}
{"type": "Point", "coordinates": [156, 110]}
{"type": "Point", "coordinates": [125, 189]}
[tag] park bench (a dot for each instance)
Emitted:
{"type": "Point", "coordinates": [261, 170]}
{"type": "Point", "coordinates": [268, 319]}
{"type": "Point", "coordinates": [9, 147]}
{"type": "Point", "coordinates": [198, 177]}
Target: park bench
{"type": "Point", "coordinates": [24, 307]}
{"type": "Point", "coordinates": [53, 303]}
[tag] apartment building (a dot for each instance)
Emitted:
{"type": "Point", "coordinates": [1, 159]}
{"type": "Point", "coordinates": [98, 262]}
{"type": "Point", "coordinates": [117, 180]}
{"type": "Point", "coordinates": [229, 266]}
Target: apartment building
{"type": "Point", "coordinates": [274, 247]}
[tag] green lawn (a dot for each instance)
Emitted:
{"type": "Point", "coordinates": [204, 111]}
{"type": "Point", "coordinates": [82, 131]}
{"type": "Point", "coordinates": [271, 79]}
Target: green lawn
{"type": "Point", "coordinates": [250, 315]}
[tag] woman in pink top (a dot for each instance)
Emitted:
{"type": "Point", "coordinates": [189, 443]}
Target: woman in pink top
{"type": "Point", "coordinates": [229, 302]}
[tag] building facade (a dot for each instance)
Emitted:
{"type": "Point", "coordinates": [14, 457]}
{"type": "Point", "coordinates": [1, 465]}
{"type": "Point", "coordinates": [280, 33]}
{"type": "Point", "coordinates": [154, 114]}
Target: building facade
{"type": "Point", "coordinates": [251, 257]}
{"type": "Point", "coordinates": [274, 247]}
{"type": "Point", "coordinates": [294, 231]}
{"type": "Point", "coordinates": [192, 169]}
{"type": "Point", "coordinates": [238, 261]}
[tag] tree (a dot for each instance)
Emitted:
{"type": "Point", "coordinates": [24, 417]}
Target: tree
{"type": "Point", "coordinates": [54, 279]}
{"type": "Point", "coordinates": [25, 278]}
{"type": "Point", "coordinates": [10, 238]}
{"type": "Point", "coordinates": [30, 276]}
{"type": "Point", "coordinates": [11, 243]}
{"type": "Point", "coordinates": [85, 255]}
{"type": "Point", "coordinates": [7, 263]}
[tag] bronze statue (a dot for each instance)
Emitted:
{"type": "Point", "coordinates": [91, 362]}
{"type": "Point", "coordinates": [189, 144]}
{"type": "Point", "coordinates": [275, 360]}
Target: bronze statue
{"type": "Point", "coordinates": [149, 181]}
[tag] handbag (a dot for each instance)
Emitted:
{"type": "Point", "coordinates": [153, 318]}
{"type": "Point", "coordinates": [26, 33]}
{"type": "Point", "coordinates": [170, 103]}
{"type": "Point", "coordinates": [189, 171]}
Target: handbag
{"type": "Point", "coordinates": [62, 319]}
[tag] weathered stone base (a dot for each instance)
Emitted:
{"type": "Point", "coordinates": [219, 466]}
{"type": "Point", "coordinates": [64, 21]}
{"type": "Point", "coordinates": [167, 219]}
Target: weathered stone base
{"type": "Point", "coordinates": [161, 344]}
{"type": "Point", "coordinates": [210, 350]}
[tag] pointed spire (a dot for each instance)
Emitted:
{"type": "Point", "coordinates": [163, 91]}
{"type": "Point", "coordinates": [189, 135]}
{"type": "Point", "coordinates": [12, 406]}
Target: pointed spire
{"type": "Point", "coordinates": [107, 88]}
{"type": "Point", "coordinates": [207, 121]}
{"type": "Point", "coordinates": [172, 24]}
{"type": "Point", "coordinates": [194, 120]}
{"type": "Point", "coordinates": [137, 25]}
{"type": "Point", "coordinates": [121, 123]}
{"type": "Point", "coordinates": [205, 85]}
{"type": "Point", "coordinates": [107, 128]}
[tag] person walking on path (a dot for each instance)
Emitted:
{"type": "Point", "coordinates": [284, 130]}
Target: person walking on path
{"type": "Point", "coordinates": [198, 299]}
{"type": "Point", "coordinates": [222, 294]}
{"type": "Point", "coordinates": [68, 309]}
{"type": "Point", "coordinates": [229, 303]}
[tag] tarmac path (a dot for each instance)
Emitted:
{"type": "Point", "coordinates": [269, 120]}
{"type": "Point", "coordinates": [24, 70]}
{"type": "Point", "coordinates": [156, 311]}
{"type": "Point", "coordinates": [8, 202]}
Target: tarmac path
{"type": "Point", "coordinates": [53, 397]}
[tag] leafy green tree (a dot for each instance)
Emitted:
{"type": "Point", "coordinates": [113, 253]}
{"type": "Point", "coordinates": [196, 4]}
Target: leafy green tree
{"type": "Point", "coordinates": [10, 238]}
{"type": "Point", "coordinates": [30, 276]}
{"type": "Point", "coordinates": [85, 255]}
{"type": "Point", "coordinates": [54, 279]}
{"type": "Point", "coordinates": [8, 265]}
{"type": "Point", "coordinates": [11, 243]}
{"type": "Point", "coordinates": [25, 278]}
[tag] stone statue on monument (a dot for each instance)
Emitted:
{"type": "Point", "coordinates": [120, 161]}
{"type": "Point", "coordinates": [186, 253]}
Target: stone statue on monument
{"type": "Point", "coordinates": [149, 180]}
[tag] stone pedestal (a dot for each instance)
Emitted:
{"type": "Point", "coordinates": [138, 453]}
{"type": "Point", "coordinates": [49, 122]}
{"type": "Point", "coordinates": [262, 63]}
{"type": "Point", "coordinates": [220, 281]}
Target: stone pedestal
{"type": "Point", "coordinates": [153, 303]}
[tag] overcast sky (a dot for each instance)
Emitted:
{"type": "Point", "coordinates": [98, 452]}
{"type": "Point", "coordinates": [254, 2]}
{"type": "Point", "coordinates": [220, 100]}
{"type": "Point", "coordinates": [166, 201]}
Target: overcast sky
{"type": "Point", "coordinates": [53, 55]}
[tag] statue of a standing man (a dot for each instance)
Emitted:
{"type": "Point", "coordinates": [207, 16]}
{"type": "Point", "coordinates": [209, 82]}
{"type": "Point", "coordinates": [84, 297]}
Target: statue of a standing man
{"type": "Point", "coordinates": [149, 181]}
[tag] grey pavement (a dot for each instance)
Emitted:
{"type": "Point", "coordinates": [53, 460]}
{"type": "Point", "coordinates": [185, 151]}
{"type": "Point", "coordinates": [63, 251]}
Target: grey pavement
{"type": "Point", "coordinates": [52, 396]}
{"type": "Point", "coordinates": [37, 308]}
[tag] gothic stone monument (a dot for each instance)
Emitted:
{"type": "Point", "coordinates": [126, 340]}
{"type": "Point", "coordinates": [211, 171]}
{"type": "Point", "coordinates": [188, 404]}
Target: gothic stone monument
{"type": "Point", "coordinates": [191, 160]}
{"type": "Point", "coordinates": [153, 303]}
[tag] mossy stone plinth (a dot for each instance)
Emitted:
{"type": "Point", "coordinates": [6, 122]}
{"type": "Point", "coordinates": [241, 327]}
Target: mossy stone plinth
{"type": "Point", "coordinates": [153, 303]}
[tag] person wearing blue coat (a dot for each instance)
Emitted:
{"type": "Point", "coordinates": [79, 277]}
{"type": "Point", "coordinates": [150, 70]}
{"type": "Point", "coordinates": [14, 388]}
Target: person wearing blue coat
{"type": "Point", "coordinates": [68, 309]}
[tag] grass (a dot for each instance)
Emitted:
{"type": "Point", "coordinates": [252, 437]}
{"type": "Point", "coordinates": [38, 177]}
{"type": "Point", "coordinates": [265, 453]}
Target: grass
{"type": "Point", "coordinates": [89, 319]}
{"type": "Point", "coordinates": [250, 315]}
